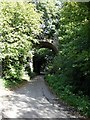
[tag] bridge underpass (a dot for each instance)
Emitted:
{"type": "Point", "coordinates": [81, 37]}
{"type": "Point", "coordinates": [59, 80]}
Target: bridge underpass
{"type": "Point", "coordinates": [38, 61]}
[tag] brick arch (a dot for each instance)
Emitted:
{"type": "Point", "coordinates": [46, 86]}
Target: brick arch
{"type": "Point", "coordinates": [45, 44]}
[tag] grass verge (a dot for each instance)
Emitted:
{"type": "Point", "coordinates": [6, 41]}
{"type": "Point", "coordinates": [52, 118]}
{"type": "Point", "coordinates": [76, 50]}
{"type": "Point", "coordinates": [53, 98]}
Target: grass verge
{"type": "Point", "coordinates": [14, 84]}
{"type": "Point", "coordinates": [65, 92]}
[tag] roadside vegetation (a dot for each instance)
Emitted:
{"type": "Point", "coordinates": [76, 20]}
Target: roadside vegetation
{"type": "Point", "coordinates": [69, 74]}
{"type": "Point", "coordinates": [68, 25]}
{"type": "Point", "coordinates": [19, 24]}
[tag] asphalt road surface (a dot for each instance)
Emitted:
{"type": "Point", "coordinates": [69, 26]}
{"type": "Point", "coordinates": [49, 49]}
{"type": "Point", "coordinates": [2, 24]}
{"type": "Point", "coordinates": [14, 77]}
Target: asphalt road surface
{"type": "Point", "coordinates": [34, 100]}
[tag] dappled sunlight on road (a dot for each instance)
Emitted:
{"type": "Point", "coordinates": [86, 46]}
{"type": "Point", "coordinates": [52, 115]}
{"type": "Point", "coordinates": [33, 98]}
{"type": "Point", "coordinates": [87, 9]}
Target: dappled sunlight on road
{"type": "Point", "coordinates": [33, 100]}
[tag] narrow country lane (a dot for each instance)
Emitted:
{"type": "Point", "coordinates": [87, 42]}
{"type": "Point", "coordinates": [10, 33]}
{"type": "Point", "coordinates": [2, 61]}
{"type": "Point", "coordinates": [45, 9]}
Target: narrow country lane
{"type": "Point", "coordinates": [33, 100]}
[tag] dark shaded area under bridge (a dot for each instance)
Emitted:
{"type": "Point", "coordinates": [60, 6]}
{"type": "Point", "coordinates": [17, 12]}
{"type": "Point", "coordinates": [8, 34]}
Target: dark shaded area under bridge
{"type": "Point", "coordinates": [39, 61]}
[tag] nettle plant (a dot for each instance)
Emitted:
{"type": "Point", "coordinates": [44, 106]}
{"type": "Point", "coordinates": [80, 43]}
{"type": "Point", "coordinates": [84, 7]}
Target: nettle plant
{"type": "Point", "coordinates": [19, 24]}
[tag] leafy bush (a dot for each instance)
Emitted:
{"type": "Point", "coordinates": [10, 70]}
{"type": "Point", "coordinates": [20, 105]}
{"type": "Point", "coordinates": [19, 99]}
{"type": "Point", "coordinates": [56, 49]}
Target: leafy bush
{"type": "Point", "coordinates": [65, 92]}
{"type": "Point", "coordinates": [19, 24]}
{"type": "Point", "coordinates": [74, 46]}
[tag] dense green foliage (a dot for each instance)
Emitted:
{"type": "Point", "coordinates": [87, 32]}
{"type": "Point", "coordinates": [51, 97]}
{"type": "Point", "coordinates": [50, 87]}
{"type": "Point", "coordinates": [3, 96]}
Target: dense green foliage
{"type": "Point", "coordinates": [70, 69]}
{"type": "Point", "coordinates": [73, 60]}
{"type": "Point", "coordinates": [65, 92]}
{"type": "Point", "coordinates": [50, 11]}
{"type": "Point", "coordinates": [19, 24]}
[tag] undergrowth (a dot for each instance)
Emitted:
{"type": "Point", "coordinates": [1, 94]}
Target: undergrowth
{"type": "Point", "coordinates": [65, 92]}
